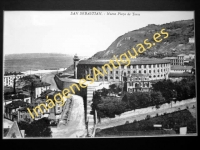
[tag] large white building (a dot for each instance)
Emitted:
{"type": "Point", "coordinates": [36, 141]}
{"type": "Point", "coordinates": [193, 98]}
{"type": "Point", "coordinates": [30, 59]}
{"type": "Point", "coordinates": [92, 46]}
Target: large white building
{"type": "Point", "coordinates": [155, 68]}
{"type": "Point", "coordinates": [8, 78]}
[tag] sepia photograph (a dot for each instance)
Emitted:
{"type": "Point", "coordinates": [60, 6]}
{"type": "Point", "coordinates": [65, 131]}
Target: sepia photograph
{"type": "Point", "coordinates": [98, 74]}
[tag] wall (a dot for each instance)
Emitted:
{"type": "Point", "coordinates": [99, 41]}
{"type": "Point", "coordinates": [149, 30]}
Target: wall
{"type": "Point", "coordinates": [148, 110]}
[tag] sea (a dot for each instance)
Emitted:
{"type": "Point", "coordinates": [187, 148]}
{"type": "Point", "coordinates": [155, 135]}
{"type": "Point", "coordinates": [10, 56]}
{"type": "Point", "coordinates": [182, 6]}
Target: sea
{"type": "Point", "coordinates": [22, 64]}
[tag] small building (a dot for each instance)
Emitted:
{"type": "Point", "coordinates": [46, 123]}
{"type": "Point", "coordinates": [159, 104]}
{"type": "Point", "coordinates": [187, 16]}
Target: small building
{"type": "Point", "coordinates": [138, 82]}
{"type": "Point", "coordinates": [12, 108]}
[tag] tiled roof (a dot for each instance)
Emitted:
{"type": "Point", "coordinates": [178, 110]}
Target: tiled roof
{"type": "Point", "coordinates": [133, 61]}
{"type": "Point", "coordinates": [16, 104]}
{"type": "Point", "coordinates": [19, 96]}
{"type": "Point", "coordinates": [179, 67]}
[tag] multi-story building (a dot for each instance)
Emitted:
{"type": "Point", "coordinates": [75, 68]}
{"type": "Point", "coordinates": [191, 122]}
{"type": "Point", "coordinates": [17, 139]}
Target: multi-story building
{"type": "Point", "coordinates": [155, 68]}
{"type": "Point", "coordinates": [138, 82]}
{"type": "Point", "coordinates": [179, 60]}
{"type": "Point", "coordinates": [10, 76]}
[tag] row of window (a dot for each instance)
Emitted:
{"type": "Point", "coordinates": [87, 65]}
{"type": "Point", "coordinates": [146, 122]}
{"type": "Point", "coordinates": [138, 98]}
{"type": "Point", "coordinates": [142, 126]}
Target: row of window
{"type": "Point", "coordinates": [134, 66]}
{"type": "Point", "coordinates": [135, 77]}
{"type": "Point", "coordinates": [134, 71]}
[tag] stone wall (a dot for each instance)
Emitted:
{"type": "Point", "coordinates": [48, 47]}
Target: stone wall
{"type": "Point", "coordinates": [150, 109]}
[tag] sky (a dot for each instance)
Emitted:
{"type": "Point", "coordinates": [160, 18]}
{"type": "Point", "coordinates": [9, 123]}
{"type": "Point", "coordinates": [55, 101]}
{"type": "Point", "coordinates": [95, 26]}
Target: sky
{"type": "Point", "coordinates": [84, 35]}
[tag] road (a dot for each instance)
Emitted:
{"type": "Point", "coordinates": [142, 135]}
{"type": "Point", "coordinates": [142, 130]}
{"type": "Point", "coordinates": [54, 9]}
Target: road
{"type": "Point", "coordinates": [122, 121]}
{"type": "Point", "coordinates": [49, 78]}
{"type": "Point", "coordinates": [76, 126]}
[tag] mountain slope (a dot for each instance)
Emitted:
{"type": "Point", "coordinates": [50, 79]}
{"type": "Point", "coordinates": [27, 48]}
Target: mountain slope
{"type": "Point", "coordinates": [179, 34]}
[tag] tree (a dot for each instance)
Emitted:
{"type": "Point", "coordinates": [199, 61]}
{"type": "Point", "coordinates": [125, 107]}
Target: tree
{"type": "Point", "coordinates": [38, 128]}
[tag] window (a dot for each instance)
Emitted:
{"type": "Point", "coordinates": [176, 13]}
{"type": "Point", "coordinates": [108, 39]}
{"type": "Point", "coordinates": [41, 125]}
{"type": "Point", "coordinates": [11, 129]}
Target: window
{"type": "Point", "coordinates": [158, 75]}
{"type": "Point", "coordinates": [110, 72]}
{"type": "Point", "coordinates": [134, 66]}
{"type": "Point", "coordinates": [139, 66]}
{"type": "Point", "coordinates": [122, 67]}
{"type": "Point", "coordinates": [117, 77]}
{"type": "Point", "coordinates": [128, 66]}
{"type": "Point", "coordinates": [106, 77]}
{"type": "Point", "coordinates": [144, 66]}
{"type": "Point", "coordinates": [134, 71]}
{"type": "Point", "coordinates": [116, 72]}
{"type": "Point", "coordinates": [149, 66]}
{"type": "Point", "coordinates": [158, 70]}
{"type": "Point", "coordinates": [111, 77]}
{"type": "Point", "coordinates": [58, 108]}
{"type": "Point", "coordinates": [149, 76]}
{"type": "Point", "coordinates": [144, 71]}
{"type": "Point", "coordinates": [149, 71]}
{"type": "Point", "coordinates": [139, 71]}
{"type": "Point", "coordinates": [129, 72]}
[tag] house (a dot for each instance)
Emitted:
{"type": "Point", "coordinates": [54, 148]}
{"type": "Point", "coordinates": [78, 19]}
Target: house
{"type": "Point", "coordinates": [36, 88]}
{"type": "Point", "coordinates": [13, 132]}
{"type": "Point", "coordinates": [137, 82]}
{"type": "Point", "coordinates": [10, 110]}
{"type": "Point", "coordinates": [10, 76]}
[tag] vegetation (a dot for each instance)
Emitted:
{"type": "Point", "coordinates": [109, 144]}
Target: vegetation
{"type": "Point", "coordinates": [176, 90]}
{"type": "Point", "coordinates": [38, 128]}
{"type": "Point", "coordinates": [169, 121]}
{"type": "Point", "coordinates": [163, 92]}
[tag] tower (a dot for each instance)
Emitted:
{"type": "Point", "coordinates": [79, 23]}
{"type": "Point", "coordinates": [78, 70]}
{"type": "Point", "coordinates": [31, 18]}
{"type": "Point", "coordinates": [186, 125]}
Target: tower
{"type": "Point", "coordinates": [76, 60]}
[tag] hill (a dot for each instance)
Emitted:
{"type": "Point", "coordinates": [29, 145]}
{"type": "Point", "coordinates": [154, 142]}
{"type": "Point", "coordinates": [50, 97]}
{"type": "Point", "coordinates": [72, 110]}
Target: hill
{"type": "Point", "coordinates": [176, 43]}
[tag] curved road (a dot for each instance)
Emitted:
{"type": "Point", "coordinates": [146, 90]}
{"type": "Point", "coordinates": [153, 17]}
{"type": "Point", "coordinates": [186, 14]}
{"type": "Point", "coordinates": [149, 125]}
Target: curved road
{"type": "Point", "coordinates": [76, 126]}
{"type": "Point", "coordinates": [49, 78]}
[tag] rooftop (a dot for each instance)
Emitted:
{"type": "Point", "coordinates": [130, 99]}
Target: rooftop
{"type": "Point", "coordinates": [16, 96]}
{"type": "Point", "coordinates": [170, 58]}
{"type": "Point", "coordinates": [133, 61]}
{"type": "Point", "coordinates": [16, 104]}
{"type": "Point", "coordinates": [12, 73]}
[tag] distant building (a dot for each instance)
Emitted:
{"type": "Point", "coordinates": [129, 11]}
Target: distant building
{"type": "Point", "coordinates": [180, 69]}
{"type": "Point", "coordinates": [179, 60]}
{"type": "Point", "coordinates": [10, 76]}
{"type": "Point", "coordinates": [137, 82]}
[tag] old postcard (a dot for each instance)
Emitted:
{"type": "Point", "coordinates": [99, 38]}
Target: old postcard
{"type": "Point", "coordinates": [99, 74]}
